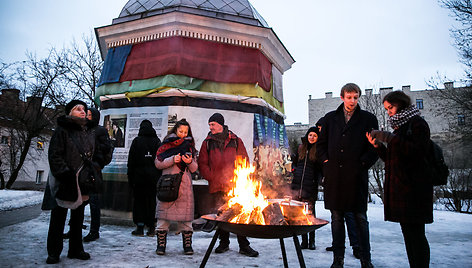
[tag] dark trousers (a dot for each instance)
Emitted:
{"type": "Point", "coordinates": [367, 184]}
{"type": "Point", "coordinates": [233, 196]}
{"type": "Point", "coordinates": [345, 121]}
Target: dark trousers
{"type": "Point", "coordinates": [417, 247]}
{"type": "Point", "coordinates": [144, 206]}
{"type": "Point", "coordinates": [94, 201]}
{"type": "Point", "coordinates": [56, 229]}
{"type": "Point", "coordinates": [219, 199]}
{"type": "Point", "coordinates": [351, 229]}
{"type": "Point", "coordinates": [339, 234]}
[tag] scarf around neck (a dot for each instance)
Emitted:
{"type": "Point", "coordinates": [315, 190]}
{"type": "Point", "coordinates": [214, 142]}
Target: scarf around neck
{"type": "Point", "coordinates": [174, 145]}
{"type": "Point", "coordinates": [401, 118]}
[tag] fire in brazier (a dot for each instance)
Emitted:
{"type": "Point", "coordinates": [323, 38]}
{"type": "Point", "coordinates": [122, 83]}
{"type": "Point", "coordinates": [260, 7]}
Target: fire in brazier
{"type": "Point", "coordinates": [248, 205]}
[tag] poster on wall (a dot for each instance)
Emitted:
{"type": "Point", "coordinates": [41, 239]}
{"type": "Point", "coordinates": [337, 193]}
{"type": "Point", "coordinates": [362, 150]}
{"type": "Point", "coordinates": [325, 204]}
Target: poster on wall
{"type": "Point", "coordinates": [123, 126]}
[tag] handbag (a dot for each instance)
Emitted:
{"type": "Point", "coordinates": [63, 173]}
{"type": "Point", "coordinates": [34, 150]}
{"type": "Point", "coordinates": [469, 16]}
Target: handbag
{"type": "Point", "coordinates": [168, 187]}
{"type": "Point", "coordinates": [89, 175]}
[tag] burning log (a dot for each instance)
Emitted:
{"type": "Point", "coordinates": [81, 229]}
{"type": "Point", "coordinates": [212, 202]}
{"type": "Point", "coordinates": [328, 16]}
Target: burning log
{"type": "Point", "coordinates": [273, 215]}
{"type": "Point", "coordinates": [226, 213]}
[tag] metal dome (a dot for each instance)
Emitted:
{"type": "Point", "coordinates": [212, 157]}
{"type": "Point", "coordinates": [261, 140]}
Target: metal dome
{"type": "Point", "coordinates": [233, 10]}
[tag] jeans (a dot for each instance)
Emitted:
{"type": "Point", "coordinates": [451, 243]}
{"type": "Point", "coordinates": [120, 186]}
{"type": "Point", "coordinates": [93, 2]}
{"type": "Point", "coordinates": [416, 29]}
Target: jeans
{"type": "Point", "coordinates": [351, 229]}
{"type": "Point", "coordinates": [417, 247]}
{"type": "Point", "coordinates": [339, 234]}
{"type": "Point", "coordinates": [94, 201]}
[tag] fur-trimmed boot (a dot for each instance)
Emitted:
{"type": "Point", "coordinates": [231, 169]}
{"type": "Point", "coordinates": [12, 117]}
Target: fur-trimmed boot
{"type": "Point", "coordinates": [187, 242]}
{"type": "Point", "coordinates": [161, 242]}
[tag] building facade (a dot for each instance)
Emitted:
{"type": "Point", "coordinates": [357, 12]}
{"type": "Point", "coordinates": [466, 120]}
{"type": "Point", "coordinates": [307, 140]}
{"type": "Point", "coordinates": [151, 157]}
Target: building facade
{"type": "Point", "coordinates": [442, 117]}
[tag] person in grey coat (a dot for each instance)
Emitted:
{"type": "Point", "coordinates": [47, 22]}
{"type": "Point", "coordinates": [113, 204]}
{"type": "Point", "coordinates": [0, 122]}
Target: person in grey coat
{"type": "Point", "coordinates": [347, 155]}
{"type": "Point", "coordinates": [177, 154]}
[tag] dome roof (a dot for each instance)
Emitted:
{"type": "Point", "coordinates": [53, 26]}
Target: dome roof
{"type": "Point", "coordinates": [233, 10]}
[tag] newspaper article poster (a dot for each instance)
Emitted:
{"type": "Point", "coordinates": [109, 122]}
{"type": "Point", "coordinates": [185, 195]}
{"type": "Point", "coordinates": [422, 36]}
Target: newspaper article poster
{"type": "Point", "coordinates": [123, 126]}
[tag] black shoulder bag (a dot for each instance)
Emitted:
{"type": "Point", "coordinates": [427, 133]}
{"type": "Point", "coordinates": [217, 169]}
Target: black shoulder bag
{"type": "Point", "coordinates": [168, 187]}
{"type": "Point", "coordinates": [90, 177]}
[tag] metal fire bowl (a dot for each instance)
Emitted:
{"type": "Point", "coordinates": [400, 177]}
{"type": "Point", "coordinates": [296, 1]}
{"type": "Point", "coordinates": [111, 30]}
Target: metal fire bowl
{"type": "Point", "coordinates": [266, 231]}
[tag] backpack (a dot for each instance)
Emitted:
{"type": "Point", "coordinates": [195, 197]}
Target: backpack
{"type": "Point", "coordinates": [435, 166]}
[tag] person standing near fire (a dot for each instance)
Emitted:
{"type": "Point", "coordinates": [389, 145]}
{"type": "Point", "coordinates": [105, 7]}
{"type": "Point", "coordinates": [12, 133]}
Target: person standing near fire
{"type": "Point", "coordinates": [408, 191]}
{"type": "Point", "coordinates": [347, 156]}
{"type": "Point", "coordinates": [216, 164]}
{"type": "Point", "coordinates": [306, 175]}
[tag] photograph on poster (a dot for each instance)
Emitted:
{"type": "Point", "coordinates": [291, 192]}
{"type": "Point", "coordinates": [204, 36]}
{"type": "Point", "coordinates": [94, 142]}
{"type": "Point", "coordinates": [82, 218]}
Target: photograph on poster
{"type": "Point", "coordinates": [116, 126]}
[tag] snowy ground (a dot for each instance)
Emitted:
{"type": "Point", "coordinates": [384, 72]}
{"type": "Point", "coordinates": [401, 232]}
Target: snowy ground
{"type": "Point", "coordinates": [12, 199]}
{"type": "Point", "coordinates": [24, 245]}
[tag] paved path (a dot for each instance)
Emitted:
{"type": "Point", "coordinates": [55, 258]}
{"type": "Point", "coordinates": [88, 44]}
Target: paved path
{"type": "Point", "coordinates": [10, 217]}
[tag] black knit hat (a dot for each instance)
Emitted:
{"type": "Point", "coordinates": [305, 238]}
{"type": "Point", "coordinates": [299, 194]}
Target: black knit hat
{"type": "Point", "coordinates": [72, 104]}
{"type": "Point", "coordinates": [218, 118]}
{"type": "Point", "coordinates": [312, 129]}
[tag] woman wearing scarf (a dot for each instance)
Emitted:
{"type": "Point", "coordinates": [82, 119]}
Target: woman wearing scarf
{"type": "Point", "coordinates": [175, 155]}
{"type": "Point", "coordinates": [408, 191]}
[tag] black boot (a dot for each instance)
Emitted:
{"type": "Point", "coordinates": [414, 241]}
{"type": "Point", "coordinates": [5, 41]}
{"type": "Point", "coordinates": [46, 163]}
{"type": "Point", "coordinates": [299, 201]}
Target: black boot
{"type": "Point", "coordinates": [161, 242]}
{"type": "Point", "coordinates": [338, 262]}
{"type": "Point", "coordinates": [139, 231]}
{"type": "Point", "coordinates": [92, 236]}
{"type": "Point", "coordinates": [304, 244]}
{"type": "Point", "coordinates": [366, 263]}
{"type": "Point", "coordinates": [187, 242]}
{"type": "Point", "coordinates": [311, 241]}
{"type": "Point", "coordinates": [151, 231]}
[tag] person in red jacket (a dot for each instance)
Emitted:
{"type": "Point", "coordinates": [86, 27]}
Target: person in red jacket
{"type": "Point", "coordinates": [216, 164]}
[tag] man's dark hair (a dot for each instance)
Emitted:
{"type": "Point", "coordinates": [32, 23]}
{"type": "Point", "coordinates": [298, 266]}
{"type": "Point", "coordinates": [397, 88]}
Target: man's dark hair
{"type": "Point", "coordinates": [350, 87]}
{"type": "Point", "coordinates": [398, 99]}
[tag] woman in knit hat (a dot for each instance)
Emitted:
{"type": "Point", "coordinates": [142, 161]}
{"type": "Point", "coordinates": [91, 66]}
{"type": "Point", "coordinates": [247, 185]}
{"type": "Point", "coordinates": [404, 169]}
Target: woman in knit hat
{"type": "Point", "coordinates": [306, 174]}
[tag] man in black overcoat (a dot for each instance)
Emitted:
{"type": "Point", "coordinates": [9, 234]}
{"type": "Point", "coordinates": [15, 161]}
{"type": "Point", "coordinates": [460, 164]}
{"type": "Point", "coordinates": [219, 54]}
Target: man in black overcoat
{"type": "Point", "coordinates": [346, 156]}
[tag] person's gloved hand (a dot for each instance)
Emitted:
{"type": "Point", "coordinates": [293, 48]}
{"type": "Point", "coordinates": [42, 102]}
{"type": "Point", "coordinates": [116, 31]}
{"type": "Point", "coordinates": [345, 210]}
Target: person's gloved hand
{"type": "Point", "coordinates": [382, 136]}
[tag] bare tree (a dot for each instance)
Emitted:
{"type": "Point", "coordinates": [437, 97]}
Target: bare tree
{"type": "Point", "coordinates": [461, 11]}
{"type": "Point", "coordinates": [39, 81]}
{"type": "Point", "coordinates": [372, 102]}
{"type": "Point", "coordinates": [457, 195]}
{"type": "Point", "coordinates": [84, 65]}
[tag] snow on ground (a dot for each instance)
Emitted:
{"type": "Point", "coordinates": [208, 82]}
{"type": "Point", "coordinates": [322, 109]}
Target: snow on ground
{"type": "Point", "coordinates": [450, 237]}
{"type": "Point", "coordinates": [13, 199]}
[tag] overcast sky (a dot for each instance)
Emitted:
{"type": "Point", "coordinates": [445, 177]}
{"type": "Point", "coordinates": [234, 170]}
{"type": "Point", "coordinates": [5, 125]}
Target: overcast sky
{"type": "Point", "coordinates": [374, 43]}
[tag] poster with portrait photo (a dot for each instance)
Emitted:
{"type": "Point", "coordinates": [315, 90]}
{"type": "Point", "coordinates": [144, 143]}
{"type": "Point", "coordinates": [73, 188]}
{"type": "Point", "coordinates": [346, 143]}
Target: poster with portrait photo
{"type": "Point", "coordinates": [116, 127]}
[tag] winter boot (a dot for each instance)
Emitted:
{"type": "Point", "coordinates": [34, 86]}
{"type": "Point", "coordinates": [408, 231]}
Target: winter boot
{"type": "Point", "coordinates": [161, 242]}
{"type": "Point", "coordinates": [139, 231]}
{"type": "Point", "coordinates": [151, 231]}
{"type": "Point", "coordinates": [338, 262]}
{"type": "Point", "coordinates": [187, 242]}
{"type": "Point", "coordinates": [304, 244]}
{"type": "Point", "coordinates": [92, 236]}
{"type": "Point", "coordinates": [366, 263]}
{"type": "Point", "coordinates": [311, 241]}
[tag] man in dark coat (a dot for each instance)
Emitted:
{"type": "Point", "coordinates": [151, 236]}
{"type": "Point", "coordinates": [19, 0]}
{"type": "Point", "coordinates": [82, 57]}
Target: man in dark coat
{"type": "Point", "coordinates": [216, 165]}
{"type": "Point", "coordinates": [142, 178]}
{"type": "Point", "coordinates": [347, 155]}
{"type": "Point", "coordinates": [102, 156]}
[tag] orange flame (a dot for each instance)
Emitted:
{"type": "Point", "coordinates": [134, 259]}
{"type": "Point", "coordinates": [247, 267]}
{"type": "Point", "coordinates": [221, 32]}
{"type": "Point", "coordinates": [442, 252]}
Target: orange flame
{"type": "Point", "coordinates": [247, 193]}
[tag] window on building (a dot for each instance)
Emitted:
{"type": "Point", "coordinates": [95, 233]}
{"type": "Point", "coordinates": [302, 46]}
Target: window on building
{"type": "Point", "coordinates": [4, 140]}
{"type": "Point", "coordinates": [39, 176]}
{"type": "Point", "coordinates": [461, 120]}
{"type": "Point", "coordinates": [419, 103]}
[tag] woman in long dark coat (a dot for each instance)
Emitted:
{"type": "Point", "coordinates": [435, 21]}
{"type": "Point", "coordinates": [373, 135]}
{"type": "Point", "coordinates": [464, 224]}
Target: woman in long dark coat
{"type": "Point", "coordinates": [408, 192]}
{"type": "Point", "coordinates": [307, 172]}
{"type": "Point", "coordinates": [63, 190]}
